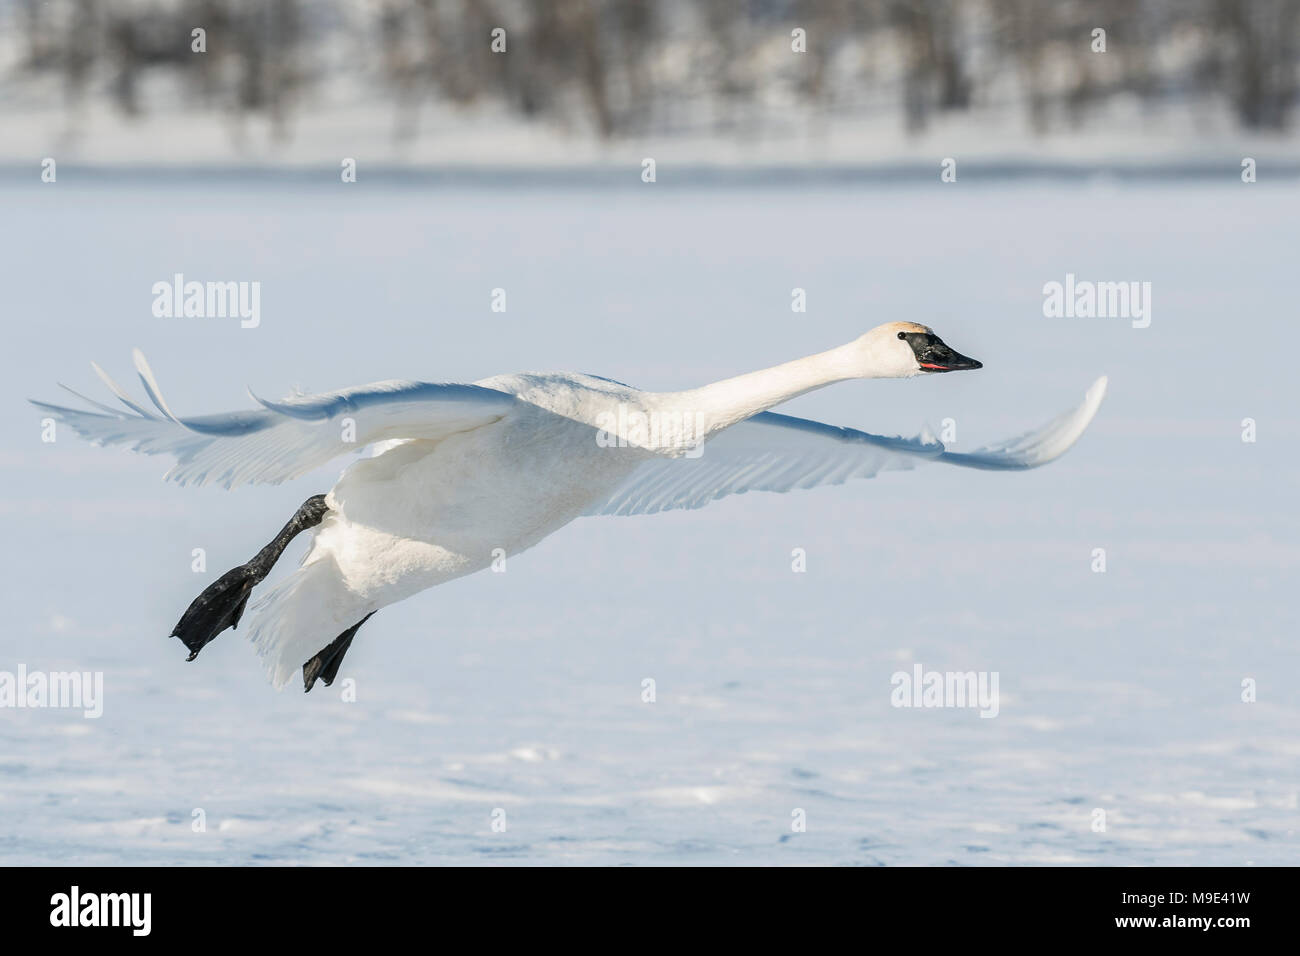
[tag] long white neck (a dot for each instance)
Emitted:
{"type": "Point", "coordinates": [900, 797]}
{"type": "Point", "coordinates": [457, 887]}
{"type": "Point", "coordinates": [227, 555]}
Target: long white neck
{"type": "Point", "coordinates": [732, 400]}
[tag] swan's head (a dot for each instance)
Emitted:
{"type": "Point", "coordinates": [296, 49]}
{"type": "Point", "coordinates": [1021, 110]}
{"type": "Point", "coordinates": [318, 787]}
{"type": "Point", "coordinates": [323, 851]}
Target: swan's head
{"type": "Point", "coordinates": [904, 349]}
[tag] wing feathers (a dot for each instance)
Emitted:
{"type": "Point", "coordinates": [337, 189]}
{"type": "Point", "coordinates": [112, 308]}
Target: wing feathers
{"type": "Point", "coordinates": [771, 452]}
{"type": "Point", "coordinates": [1037, 447]}
{"type": "Point", "coordinates": [151, 385]}
{"type": "Point", "coordinates": [285, 439]}
{"type": "Point", "coordinates": [119, 392]}
{"type": "Point", "coordinates": [282, 440]}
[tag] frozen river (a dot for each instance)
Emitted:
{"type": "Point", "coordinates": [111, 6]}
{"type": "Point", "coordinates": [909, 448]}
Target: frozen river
{"type": "Point", "coordinates": [517, 697]}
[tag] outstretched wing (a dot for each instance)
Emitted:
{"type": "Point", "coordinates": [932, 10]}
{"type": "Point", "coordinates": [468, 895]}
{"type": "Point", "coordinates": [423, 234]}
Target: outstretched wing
{"type": "Point", "coordinates": [771, 452]}
{"type": "Point", "coordinates": [1039, 446]}
{"type": "Point", "coordinates": [281, 440]}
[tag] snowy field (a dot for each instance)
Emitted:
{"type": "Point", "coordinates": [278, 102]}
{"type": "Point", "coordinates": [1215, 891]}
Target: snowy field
{"type": "Point", "coordinates": [1120, 691]}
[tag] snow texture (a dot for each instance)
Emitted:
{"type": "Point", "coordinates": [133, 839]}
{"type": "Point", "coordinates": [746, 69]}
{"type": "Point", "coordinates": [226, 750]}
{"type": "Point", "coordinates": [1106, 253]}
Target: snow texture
{"type": "Point", "coordinates": [522, 690]}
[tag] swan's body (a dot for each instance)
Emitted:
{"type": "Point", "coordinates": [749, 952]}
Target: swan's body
{"type": "Point", "coordinates": [424, 512]}
{"type": "Point", "coordinates": [467, 473]}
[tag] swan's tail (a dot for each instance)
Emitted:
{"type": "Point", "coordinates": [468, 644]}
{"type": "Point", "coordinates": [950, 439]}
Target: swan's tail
{"type": "Point", "coordinates": [299, 616]}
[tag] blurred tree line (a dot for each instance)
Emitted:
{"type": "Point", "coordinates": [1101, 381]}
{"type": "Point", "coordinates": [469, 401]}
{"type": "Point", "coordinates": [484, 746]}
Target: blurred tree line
{"type": "Point", "coordinates": [624, 67]}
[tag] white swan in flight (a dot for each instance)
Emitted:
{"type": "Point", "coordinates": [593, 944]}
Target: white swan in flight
{"type": "Point", "coordinates": [466, 472]}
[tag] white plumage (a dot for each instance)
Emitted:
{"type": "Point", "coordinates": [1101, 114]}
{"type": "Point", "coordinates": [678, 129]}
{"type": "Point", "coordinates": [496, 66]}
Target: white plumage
{"type": "Point", "coordinates": [465, 470]}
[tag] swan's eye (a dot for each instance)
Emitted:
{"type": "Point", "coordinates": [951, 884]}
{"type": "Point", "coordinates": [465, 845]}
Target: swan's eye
{"type": "Point", "coordinates": [902, 335]}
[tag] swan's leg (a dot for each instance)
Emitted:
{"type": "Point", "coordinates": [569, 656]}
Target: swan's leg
{"type": "Point", "coordinates": [325, 664]}
{"type": "Point", "coordinates": [222, 602]}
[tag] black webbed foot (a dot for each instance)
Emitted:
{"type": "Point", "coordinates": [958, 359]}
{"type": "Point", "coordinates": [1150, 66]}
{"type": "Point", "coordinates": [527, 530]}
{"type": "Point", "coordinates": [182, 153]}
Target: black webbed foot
{"type": "Point", "coordinates": [223, 601]}
{"type": "Point", "coordinates": [325, 664]}
{"type": "Point", "coordinates": [219, 606]}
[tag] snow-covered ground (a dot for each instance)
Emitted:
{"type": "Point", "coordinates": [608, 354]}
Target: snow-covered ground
{"type": "Point", "coordinates": [1120, 691]}
{"type": "Point", "coordinates": [1124, 135]}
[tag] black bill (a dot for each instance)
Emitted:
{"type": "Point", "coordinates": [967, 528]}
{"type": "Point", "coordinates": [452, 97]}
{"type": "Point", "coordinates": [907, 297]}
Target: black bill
{"type": "Point", "coordinates": [933, 356]}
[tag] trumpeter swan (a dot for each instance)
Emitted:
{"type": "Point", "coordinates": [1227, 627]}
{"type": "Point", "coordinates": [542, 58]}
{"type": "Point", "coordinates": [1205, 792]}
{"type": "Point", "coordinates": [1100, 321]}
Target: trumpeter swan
{"type": "Point", "coordinates": [466, 471]}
